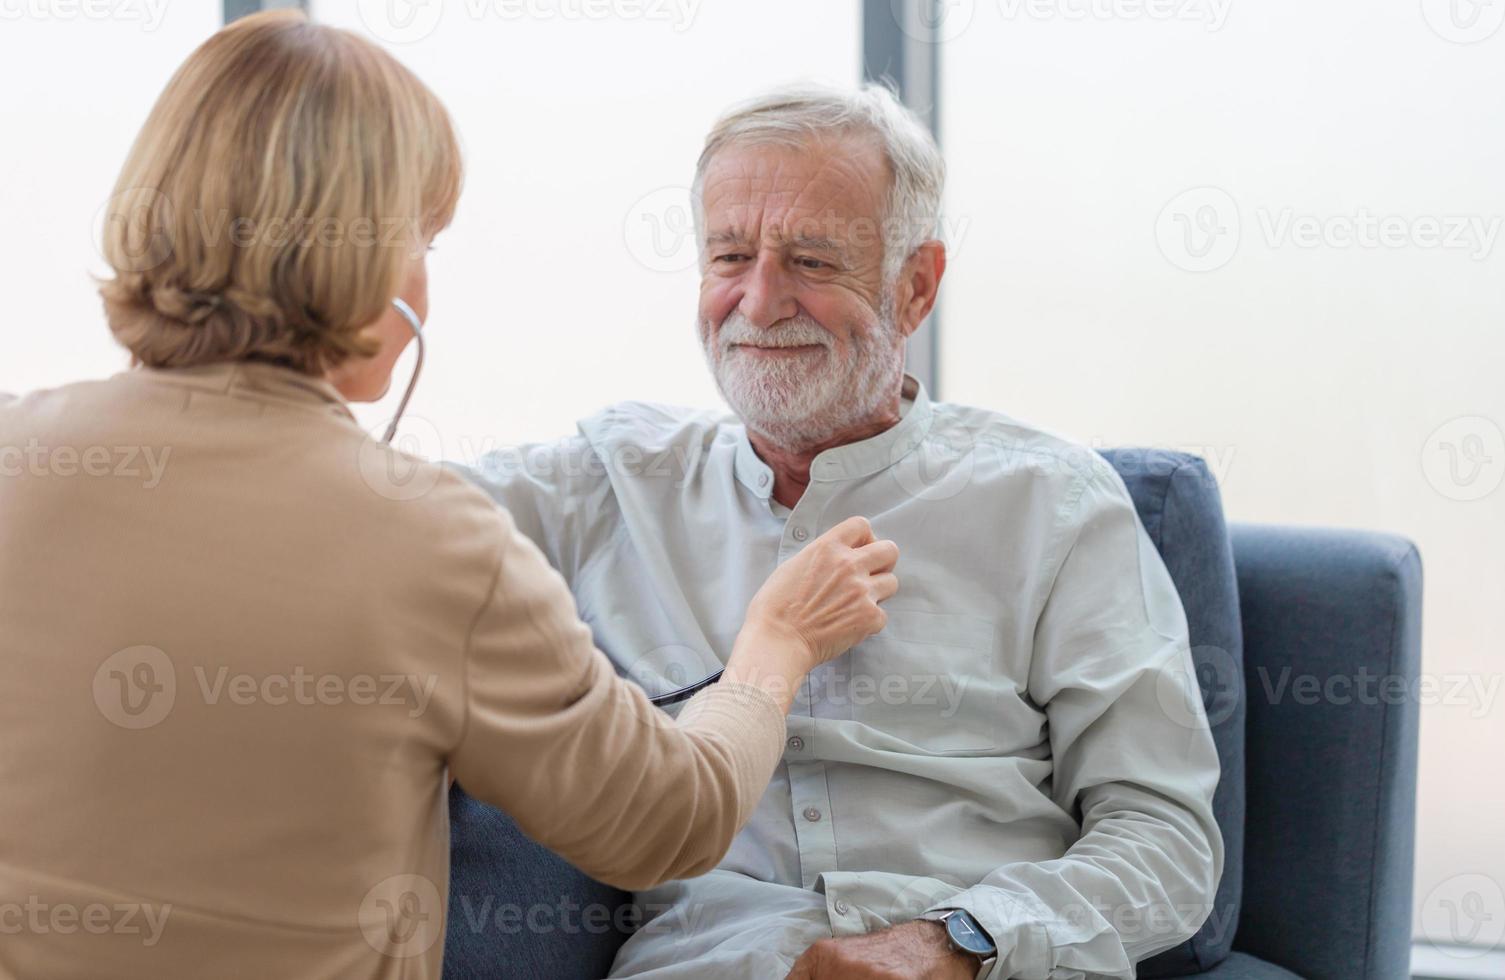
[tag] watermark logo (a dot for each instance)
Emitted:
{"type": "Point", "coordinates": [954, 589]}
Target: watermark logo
{"type": "Point", "coordinates": [939, 468]}
{"type": "Point", "coordinates": [1464, 916]}
{"type": "Point", "coordinates": [405, 469]}
{"type": "Point", "coordinates": [919, 895]}
{"type": "Point", "coordinates": [42, 918]}
{"type": "Point", "coordinates": [1212, 14]}
{"type": "Point", "coordinates": [1464, 21]}
{"type": "Point", "coordinates": [1464, 458]}
{"type": "Point", "coordinates": [147, 464]}
{"type": "Point", "coordinates": [138, 222]}
{"type": "Point", "coordinates": [1203, 696]}
{"type": "Point", "coordinates": [660, 231]}
{"type": "Point", "coordinates": [665, 669]}
{"type": "Point", "coordinates": [148, 12]}
{"type": "Point", "coordinates": [1471, 233]}
{"type": "Point", "coordinates": [413, 691]}
{"type": "Point", "coordinates": [402, 916]}
{"type": "Point", "coordinates": [935, 22]}
{"type": "Point", "coordinates": [400, 21]}
{"type": "Point", "coordinates": [135, 687]}
{"type": "Point", "coordinates": [1207, 694]}
{"type": "Point", "coordinates": [410, 21]}
{"type": "Point", "coordinates": [1476, 692]}
{"type": "Point", "coordinates": [1198, 229]}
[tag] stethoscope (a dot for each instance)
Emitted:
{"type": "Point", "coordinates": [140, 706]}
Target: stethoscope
{"type": "Point", "coordinates": [687, 692]}
{"type": "Point", "coordinates": [402, 406]}
{"type": "Point", "coordinates": [673, 697]}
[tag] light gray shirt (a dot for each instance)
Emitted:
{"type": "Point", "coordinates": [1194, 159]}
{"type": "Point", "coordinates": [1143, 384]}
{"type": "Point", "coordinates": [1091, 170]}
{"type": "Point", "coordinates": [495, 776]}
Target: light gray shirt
{"type": "Point", "coordinates": [1024, 740]}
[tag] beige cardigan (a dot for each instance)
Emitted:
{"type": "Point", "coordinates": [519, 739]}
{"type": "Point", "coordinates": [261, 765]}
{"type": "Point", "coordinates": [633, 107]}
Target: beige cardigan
{"type": "Point", "coordinates": [240, 645]}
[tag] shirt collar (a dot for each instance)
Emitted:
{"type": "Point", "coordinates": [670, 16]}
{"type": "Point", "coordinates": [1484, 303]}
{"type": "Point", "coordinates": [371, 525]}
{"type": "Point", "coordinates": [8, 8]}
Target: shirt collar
{"type": "Point", "coordinates": [855, 459]}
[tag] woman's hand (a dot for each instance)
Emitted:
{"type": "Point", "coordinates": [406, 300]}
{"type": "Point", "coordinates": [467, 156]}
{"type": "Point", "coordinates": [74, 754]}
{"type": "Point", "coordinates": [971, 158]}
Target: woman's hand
{"type": "Point", "coordinates": [814, 607]}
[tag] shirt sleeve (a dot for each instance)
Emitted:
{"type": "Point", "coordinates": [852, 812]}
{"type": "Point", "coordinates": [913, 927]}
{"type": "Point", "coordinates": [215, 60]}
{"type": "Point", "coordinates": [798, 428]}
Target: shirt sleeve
{"type": "Point", "coordinates": [1134, 763]}
{"type": "Point", "coordinates": [558, 494]}
{"type": "Point", "coordinates": [581, 759]}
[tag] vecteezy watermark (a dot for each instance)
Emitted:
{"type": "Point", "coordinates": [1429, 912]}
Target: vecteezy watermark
{"type": "Point", "coordinates": [1198, 229]}
{"type": "Point", "coordinates": [1464, 458]}
{"type": "Point", "coordinates": [1203, 694]}
{"type": "Point", "coordinates": [39, 917]}
{"type": "Point", "coordinates": [1464, 21]}
{"type": "Point", "coordinates": [1464, 916]}
{"type": "Point", "coordinates": [933, 23]}
{"type": "Point", "coordinates": [148, 12]}
{"type": "Point", "coordinates": [1201, 229]}
{"type": "Point", "coordinates": [407, 21]}
{"type": "Point", "coordinates": [660, 234]}
{"type": "Point", "coordinates": [1212, 14]}
{"type": "Point", "coordinates": [144, 463]}
{"type": "Point", "coordinates": [570, 918]}
{"type": "Point", "coordinates": [137, 688]}
{"type": "Point", "coordinates": [408, 468]}
{"type": "Point", "coordinates": [1149, 918]}
{"type": "Point", "coordinates": [141, 225]}
{"type": "Point", "coordinates": [1476, 692]}
{"type": "Point", "coordinates": [659, 231]}
{"type": "Point", "coordinates": [298, 686]}
{"type": "Point", "coordinates": [1171, 458]}
{"type": "Point", "coordinates": [1471, 233]}
{"type": "Point", "coordinates": [402, 916]}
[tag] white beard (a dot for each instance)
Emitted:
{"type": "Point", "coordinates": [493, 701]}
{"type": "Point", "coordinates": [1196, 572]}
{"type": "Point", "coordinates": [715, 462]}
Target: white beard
{"type": "Point", "coordinates": [804, 400]}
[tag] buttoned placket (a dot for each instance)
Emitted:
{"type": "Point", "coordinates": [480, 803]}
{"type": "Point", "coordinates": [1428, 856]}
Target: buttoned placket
{"type": "Point", "coordinates": [809, 793]}
{"type": "Point", "coordinates": [810, 797]}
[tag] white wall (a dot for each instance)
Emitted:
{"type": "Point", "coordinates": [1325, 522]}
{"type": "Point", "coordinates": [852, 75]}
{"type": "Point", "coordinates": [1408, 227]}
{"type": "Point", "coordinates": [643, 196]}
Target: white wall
{"type": "Point", "coordinates": [581, 120]}
{"type": "Point", "coordinates": [76, 89]}
{"type": "Point", "coordinates": [551, 295]}
{"type": "Point", "coordinates": [1316, 377]}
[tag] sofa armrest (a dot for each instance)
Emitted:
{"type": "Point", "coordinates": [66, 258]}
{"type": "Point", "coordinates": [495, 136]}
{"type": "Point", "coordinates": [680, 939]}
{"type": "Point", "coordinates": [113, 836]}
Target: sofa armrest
{"type": "Point", "coordinates": [1332, 646]}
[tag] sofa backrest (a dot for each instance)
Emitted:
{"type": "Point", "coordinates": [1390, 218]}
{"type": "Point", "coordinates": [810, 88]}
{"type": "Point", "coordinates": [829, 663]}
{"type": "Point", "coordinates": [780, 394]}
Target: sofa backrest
{"type": "Point", "coordinates": [1182, 512]}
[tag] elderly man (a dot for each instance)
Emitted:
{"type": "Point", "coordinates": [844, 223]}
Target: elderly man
{"type": "Point", "coordinates": [1013, 779]}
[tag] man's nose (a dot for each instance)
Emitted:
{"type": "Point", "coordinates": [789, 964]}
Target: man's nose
{"type": "Point", "coordinates": [768, 294]}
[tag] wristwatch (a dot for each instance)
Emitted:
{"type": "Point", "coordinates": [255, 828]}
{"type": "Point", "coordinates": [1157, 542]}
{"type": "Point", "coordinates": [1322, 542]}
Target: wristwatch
{"type": "Point", "coordinates": [966, 936]}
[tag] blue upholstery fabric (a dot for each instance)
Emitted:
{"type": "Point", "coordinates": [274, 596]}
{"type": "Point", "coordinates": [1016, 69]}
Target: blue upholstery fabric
{"type": "Point", "coordinates": [1331, 775]}
{"type": "Point", "coordinates": [1242, 966]}
{"type": "Point", "coordinates": [518, 910]}
{"type": "Point", "coordinates": [1178, 503]}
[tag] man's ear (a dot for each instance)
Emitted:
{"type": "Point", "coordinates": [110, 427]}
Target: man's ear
{"type": "Point", "coordinates": [919, 284]}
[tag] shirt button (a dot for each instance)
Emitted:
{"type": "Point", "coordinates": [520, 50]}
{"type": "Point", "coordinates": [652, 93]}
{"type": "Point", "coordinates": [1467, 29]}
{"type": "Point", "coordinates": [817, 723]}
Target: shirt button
{"type": "Point", "coordinates": [812, 814]}
{"type": "Point", "coordinates": [796, 743]}
{"type": "Point", "coordinates": [842, 908]}
{"type": "Point", "coordinates": [800, 534]}
{"type": "Point", "coordinates": [763, 480]}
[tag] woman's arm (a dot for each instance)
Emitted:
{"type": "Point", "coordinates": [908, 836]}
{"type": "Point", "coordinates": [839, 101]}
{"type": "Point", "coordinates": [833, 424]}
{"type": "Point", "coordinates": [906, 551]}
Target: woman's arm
{"type": "Point", "coordinates": [589, 768]}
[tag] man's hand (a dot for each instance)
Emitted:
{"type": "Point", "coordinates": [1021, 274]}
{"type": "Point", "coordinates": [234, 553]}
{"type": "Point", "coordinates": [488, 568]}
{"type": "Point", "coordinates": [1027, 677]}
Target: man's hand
{"type": "Point", "coordinates": [913, 951]}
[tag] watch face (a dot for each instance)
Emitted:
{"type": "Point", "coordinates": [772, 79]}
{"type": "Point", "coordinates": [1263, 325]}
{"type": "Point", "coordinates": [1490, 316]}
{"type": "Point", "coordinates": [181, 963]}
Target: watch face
{"type": "Point", "coordinates": [968, 935]}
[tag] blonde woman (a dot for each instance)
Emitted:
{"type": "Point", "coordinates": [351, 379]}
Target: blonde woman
{"type": "Point", "coordinates": [233, 687]}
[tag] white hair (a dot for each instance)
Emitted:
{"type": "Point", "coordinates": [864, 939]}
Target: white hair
{"type": "Point", "coordinates": [797, 116]}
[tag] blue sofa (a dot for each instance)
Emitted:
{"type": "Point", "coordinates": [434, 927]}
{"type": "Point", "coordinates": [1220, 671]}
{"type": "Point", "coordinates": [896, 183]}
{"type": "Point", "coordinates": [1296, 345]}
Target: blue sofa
{"type": "Point", "coordinates": [1306, 642]}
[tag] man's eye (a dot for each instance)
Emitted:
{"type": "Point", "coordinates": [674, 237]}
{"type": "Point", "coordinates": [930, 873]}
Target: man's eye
{"type": "Point", "coordinates": [809, 263]}
{"type": "Point", "coordinates": [731, 257]}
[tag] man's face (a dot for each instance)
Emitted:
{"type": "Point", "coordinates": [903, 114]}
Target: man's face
{"type": "Point", "coordinates": [795, 317]}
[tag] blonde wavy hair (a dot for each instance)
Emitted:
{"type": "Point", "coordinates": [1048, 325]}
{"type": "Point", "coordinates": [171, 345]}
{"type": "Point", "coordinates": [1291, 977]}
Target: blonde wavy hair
{"type": "Point", "coordinates": [272, 203]}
